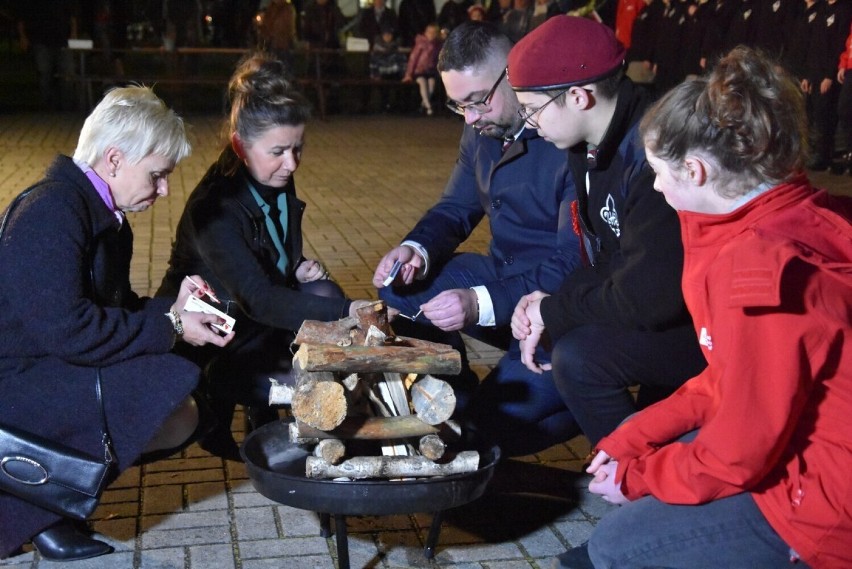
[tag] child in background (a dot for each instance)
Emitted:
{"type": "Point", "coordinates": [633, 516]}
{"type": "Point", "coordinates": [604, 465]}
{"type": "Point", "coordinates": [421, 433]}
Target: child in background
{"type": "Point", "coordinates": [386, 61]}
{"type": "Point", "coordinates": [423, 65]}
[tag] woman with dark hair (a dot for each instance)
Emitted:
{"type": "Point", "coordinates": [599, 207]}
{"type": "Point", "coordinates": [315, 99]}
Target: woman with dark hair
{"type": "Point", "coordinates": [747, 464]}
{"type": "Point", "coordinates": [241, 231]}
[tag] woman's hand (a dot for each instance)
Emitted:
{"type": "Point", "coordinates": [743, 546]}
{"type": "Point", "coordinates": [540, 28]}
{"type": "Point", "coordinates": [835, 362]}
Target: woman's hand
{"type": "Point", "coordinates": [310, 270]}
{"type": "Point", "coordinates": [197, 326]}
{"type": "Point", "coordinates": [603, 467]}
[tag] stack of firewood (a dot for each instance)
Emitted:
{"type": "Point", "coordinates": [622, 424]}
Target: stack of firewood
{"type": "Point", "coordinates": [356, 381]}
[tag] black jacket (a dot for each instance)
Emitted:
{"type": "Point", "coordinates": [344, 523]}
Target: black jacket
{"type": "Point", "coordinates": [632, 234]}
{"type": "Point", "coordinates": [222, 236]}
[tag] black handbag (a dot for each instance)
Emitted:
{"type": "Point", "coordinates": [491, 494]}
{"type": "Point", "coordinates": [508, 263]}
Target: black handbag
{"type": "Point", "coordinates": [53, 476]}
{"type": "Point", "coordinates": [46, 473]}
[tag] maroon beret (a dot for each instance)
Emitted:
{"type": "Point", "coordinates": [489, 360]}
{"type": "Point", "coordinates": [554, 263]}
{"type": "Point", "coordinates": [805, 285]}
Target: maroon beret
{"type": "Point", "coordinates": [564, 51]}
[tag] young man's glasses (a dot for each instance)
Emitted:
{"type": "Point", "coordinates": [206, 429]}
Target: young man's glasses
{"type": "Point", "coordinates": [527, 115]}
{"type": "Point", "coordinates": [481, 106]}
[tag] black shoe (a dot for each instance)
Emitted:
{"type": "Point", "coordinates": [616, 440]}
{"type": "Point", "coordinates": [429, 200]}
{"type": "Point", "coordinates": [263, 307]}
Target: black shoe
{"type": "Point", "coordinates": [64, 542]}
{"type": "Point", "coordinates": [220, 442]}
{"type": "Point", "coordinates": [576, 558]}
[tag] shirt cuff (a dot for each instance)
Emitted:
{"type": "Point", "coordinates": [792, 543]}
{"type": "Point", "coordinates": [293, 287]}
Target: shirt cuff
{"type": "Point", "coordinates": [486, 307]}
{"type": "Point", "coordinates": [420, 250]}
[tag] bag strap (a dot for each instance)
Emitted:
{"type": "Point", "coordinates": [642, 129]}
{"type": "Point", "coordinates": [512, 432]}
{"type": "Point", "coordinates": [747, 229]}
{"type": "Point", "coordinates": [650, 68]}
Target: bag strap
{"type": "Point", "coordinates": [109, 456]}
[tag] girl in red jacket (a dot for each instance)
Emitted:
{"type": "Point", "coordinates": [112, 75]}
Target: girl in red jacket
{"type": "Point", "coordinates": [747, 464]}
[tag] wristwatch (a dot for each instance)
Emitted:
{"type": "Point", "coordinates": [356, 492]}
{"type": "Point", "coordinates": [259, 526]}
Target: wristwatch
{"type": "Point", "coordinates": [176, 322]}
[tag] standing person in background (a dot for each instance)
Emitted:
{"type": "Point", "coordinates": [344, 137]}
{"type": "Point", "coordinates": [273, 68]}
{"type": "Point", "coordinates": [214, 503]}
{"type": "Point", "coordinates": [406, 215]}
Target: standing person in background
{"type": "Point", "coordinates": [754, 453]}
{"type": "Point", "coordinates": [844, 108]}
{"type": "Point", "coordinates": [44, 28]}
{"type": "Point", "coordinates": [241, 230]}
{"type": "Point", "coordinates": [619, 321]}
{"type": "Point", "coordinates": [375, 18]}
{"type": "Point", "coordinates": [522, 184]}
{"type": "Point", "coordinates": [70, 318]}
{"type": "Point", "coordinates": [322, 21]}
{"type": "Point", "coordinates": [414, 16]}
{"type": "Point", "coordinates": [423, 65]}
{"type": "Point", "coordinates": [453, 13]}
{"type": "Point", "coordinates": [626, 14]}
{"type": "Point", "coordinates": [277, 29]}
{"type": "Point", "coordinates": [826, 36]}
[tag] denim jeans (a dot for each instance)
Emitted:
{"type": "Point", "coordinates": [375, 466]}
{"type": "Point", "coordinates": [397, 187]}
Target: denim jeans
{"type": "Point", "coordinates": [730, 532]}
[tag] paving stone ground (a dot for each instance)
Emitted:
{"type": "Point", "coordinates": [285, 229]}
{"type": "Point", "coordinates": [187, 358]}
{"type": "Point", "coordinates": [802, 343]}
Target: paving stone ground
{"type": "Point", "coordinates": [366, 180]}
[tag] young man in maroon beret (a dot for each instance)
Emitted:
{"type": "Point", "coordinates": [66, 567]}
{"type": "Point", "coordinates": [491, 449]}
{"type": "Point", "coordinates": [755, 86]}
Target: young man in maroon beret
{"type": "Point", "coordinates": [620, 321]}
{"type": "Point", "coordinates": [522, 184]}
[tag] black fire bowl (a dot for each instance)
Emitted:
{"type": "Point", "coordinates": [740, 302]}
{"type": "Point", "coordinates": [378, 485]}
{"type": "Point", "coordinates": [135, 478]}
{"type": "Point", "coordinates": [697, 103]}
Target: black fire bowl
{"type": "Point", "coordinates": [277, 470]}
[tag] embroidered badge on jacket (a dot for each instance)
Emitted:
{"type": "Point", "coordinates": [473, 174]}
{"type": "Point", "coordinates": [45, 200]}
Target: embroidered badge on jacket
{"type": "Point", "coordinates": [610, 215]}
{"type": "Point", "coordinates": [705, 340]}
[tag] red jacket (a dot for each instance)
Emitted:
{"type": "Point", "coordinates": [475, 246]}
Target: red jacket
{"type": "Point", "coordinates": [846, 55]}
{"type": "Point", "coordinates": [769, 287]}
{"type": "Point", "coordinates": [625, 15]}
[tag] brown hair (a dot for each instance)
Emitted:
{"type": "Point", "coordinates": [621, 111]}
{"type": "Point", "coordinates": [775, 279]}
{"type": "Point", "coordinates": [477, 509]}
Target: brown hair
{"type": "Point", "coordinates": [747, 116]}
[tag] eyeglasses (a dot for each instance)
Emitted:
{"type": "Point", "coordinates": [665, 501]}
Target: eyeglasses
{"type": "Point", "coordinates": [527, 116]}
{"type": "Point", "coordinates": [481, 106]}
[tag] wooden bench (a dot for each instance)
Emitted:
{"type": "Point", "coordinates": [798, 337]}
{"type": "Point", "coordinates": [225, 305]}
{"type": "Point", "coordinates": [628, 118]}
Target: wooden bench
{"type": "Point", "coordinates": [317, 71]}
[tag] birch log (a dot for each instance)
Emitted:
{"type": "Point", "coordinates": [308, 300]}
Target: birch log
{"type": "Point", "coordinates": [433, 399]}
{"type": "Point", "coordinates": [391, 466]}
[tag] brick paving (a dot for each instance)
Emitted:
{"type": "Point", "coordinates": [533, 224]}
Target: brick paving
{"type": "Point", "coordinates": [366, 180]}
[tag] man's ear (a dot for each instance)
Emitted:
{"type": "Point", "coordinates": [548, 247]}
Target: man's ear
{"type": "Point", "coordinates": [579, 97]}
{"type": "Point", "coordinates": [237, 145]}
{"type": "Point", "coordinates": [697, 170]}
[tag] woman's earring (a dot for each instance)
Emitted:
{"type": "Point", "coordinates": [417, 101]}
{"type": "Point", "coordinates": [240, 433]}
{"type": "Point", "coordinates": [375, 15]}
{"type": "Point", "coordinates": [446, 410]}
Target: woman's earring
{"type": "Point", "coordinates": [112, 174]}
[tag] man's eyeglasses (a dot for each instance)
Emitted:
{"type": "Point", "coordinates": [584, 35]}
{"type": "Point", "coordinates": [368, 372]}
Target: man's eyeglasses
{"type": "Point", "coordinates": [481, 106]}
{"type": "Point", "coordinates": [527, 115]}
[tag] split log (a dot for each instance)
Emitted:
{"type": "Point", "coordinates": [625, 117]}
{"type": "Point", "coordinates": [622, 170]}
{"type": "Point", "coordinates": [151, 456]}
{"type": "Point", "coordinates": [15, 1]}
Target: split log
{"type": "Point", "coordinates": [437, 359]}
{"type": "Point", "coordinates": [368, 428]}
{"type": "Point", "coordinates": [318, 400]}
{"type": "Point", "coordinates": [431, 446]}
{"type": "Point", "coordinates": [330, 450]}
{"type": "Point", "coordinates": [391, 466]}
{"type": "Point", "coordinates": [434, 400]}
{"type": "Point", "coordinates": [334, 333]}
{"type": "Point", "coordinates": [373, 314]}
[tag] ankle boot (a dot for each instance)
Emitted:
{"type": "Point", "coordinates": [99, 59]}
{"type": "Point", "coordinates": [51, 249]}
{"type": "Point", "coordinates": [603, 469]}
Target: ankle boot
{"type": "Point", "coordinates": [64, 542]}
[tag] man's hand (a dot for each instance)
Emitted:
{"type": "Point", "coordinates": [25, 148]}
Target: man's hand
{"type": "Point", "coordinates": [521, 321]}
{"type": "Point", "coordinates": [411, 263]}
{"type": "Point", "coordinates": [603, 467]}
{"type": "Point", "coordinates": [452, 309]}
{"type": "Point", "coordinates": [310, 270]}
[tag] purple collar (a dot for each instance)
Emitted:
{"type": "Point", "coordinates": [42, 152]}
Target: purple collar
{"type": "Point", "coordinates": [102, 188]}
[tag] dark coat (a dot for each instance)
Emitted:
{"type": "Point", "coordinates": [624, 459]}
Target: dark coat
{"type": "Point", "coordinates": [222, 236]}
{"type": "Point", "coordinates": [632, 233]}
{"type": "Point", "coordinates": [526, 193]}
{"type": "Point", "coordinates": [66, 310]}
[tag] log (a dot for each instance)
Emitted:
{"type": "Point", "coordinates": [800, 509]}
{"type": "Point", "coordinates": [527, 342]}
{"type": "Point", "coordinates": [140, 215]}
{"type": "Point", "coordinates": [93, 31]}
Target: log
{"type": "Point", "coordinates": [431, 446]}
{"type": "Point", "coordinates": [373, 314]}
{"type": "Point", "coordinates": [318, 400]}
{"type": "Point", "coordinates": [334, 333]}
{"type": "Point", "coordinates": [330, 450]}
{"type": "Point", "coordinates": [436, 359]}
{"type": "Point", "coordinates": [367, 428]}
{"type": "Point", "coordinates": [434, 400]}
{"type": "Point", "coordinates": [391, 466]}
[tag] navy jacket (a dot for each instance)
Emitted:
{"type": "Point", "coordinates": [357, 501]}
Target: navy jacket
{"type": "Point", "coordinates": [632, 235]}
{"type": "Point", "coordinates": [526, 193]}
